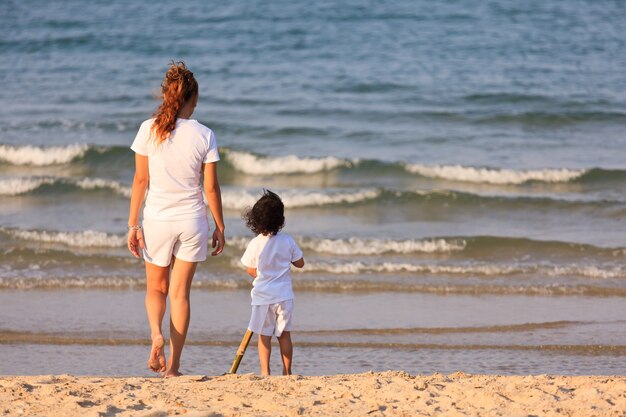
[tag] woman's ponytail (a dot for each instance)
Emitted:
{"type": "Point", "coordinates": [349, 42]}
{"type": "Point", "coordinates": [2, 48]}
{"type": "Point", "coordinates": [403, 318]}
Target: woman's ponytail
{"type": "Point", "coordinates": [178, 87]}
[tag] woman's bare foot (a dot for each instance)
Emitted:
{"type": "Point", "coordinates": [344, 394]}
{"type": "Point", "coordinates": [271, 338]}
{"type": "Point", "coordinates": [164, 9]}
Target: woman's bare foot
{"type": "Point", "coordinates": [172, 374]}
{"type": "Point", "coordinates": [156, 361]}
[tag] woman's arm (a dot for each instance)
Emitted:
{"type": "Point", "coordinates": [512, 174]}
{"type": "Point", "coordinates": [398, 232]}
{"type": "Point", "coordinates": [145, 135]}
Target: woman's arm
{"type": "Point", "coordinates": [214, 198]}
{"type": "Point", "coordinates": [140, 184]}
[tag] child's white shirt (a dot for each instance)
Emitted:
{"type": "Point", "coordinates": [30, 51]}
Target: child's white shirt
{"type": "Point", "coordinates": [272, 257]}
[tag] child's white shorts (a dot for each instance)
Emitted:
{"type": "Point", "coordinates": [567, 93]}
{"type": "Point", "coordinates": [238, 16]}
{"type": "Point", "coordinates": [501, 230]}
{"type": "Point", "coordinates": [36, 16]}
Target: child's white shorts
{"type": "Point", "coordinates": [271, 319]}
{"type": "Point", "coordinates": [187, 240]}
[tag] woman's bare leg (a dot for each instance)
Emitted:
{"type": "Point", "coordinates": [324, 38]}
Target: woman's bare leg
{"type": "Point", "coordinates": [265, 349]}
{"type": "Point", "coordinates": [180, 311]}
{"type": "Point", "coordinates": [157, 281]}
{"type": "Point", "coordinates": [286, 351]}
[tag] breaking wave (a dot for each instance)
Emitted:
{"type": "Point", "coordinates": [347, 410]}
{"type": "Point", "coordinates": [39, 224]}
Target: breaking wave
{"type": "Point", "coordinates": [252, 164]}
{"type": "Point", "coordinates": [87, 238]}
{"type": "Point", "coordinates": [238, 199]}
{"type": "Point", "coordinates": [324, 286]}
{"type": "Point", "coordinates": [475, 269]}
{"type": "Point", "coordinates": [494, 176]}
{"type": "Point", "coordinates": [355, 246]}
{"type": "Point", "coordinates": [350, 246]}
{"type": "Point", "coordinates": [25, 185]}
{"type": "Point", "coordinates": [41, 156]}
{"type": "Point", "coordinates": [365, 246]}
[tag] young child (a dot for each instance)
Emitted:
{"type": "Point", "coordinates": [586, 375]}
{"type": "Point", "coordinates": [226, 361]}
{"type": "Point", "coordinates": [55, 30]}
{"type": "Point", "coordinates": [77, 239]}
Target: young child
{"type": "Point", "coordinates": [268, 260]}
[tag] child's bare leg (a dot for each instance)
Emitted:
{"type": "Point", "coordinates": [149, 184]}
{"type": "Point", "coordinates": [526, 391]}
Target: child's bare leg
{"type": "Point", "coordinates": [286, 351]}
{"type": "Point", "coordinates": [265, 349]}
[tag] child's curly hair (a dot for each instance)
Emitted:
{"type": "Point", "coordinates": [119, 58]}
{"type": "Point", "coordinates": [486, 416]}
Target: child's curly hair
{"type": "Point", "coordinates": [267, 216]}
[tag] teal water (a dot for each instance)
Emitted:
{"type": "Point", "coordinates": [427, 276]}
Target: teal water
{"type": "Point", "coordinates": [466, 153]}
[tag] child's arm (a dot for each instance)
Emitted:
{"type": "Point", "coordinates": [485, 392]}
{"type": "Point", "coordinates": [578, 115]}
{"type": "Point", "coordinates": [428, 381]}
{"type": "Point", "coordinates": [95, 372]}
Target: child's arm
{"type": "Point", "coordinates": [296, 254]}
{"type": "Point", "coordinates": [249, 258]}
{"type": "Point", "coordinates": [299, 263]}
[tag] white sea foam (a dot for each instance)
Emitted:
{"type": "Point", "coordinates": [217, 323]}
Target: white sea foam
{"type": "Point", "coordinates": [43, 280]}
{"type": "Point", "coordinates": [87, 238]}
{"type": "Point", "coordinates": [233, 198]}
{"type": "Point", "coordinates": [237, 199]}
{"type": "Point", "coordinates": [356, 246]}
{"type": "Point", "coordinates": [591, 271]}
{"type": "Point", "coordinates": [358, 267]}
{"type": "Point", "coordinates": [494, 176]}
{"type": "Point", "coordinates": [238, 242]}
{"type": "Point", "coordinates": [23, 185]}
{"type": "Point", "coordinates": [17, 186]}
{"type": "Point", "coordinates": [352, 246]}
{"type": "Point", "coordinates": [270, 165]}
{"type": "Point", "coordinates": [70, 282]}
{"type": "Point", "coordinates": [35, 155]}
{"type": "Point", "coordinates": [95, 183]}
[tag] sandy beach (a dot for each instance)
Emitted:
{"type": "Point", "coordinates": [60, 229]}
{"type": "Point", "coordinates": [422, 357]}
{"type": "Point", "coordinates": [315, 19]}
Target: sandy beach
{"type": "Point", "coordinates": [453, 173]}
{"type": "Point", "coordinates": [369, 394]}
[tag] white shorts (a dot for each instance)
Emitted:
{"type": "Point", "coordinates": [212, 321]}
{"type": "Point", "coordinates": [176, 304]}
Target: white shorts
{"type": "Point", "coordinates": [187, 240]}
{"type": "Point", "coordinates": [271, 319]}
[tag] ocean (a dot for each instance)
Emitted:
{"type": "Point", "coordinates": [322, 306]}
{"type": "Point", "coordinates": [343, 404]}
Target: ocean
{"type": "Point", "coordinates": [453, 171]}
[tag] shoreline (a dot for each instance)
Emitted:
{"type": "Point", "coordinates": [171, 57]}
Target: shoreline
{"type": "Point", "coordinates": [390, 393]}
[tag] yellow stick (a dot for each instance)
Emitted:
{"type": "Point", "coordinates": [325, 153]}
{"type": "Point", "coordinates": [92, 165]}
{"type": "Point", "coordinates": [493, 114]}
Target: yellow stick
{"type": "Point", "coordinates": [241, 351]}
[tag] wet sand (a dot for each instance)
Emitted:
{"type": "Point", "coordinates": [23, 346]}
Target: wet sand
{"type": "Point", "coordinates": [369, 394]}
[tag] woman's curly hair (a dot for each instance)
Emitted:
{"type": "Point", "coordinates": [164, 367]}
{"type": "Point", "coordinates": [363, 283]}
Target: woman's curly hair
{"type": "Point", "coordinates": [267, 216]}
{"type": "Point", "coordinates": [178, 87]}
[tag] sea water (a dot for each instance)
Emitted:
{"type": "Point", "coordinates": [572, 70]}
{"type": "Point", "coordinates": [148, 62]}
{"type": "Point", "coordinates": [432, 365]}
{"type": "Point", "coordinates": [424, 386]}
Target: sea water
{"type": "Point", "coordinates": [454, 173]}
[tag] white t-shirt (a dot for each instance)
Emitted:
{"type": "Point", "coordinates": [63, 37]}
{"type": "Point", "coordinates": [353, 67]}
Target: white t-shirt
{"type": "Point", "coordinates": [272, 257]}
{"type": "Point", "coordinates": [175, 166]}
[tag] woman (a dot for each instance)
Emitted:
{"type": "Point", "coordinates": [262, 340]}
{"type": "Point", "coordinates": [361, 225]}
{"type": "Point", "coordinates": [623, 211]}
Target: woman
{"type": "Point", "coordinates": [172, 152]}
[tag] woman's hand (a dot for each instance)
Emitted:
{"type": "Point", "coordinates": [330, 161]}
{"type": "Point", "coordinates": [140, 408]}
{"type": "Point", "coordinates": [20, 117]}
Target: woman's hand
{"type": "Point", "coordinates": [135, 241]}
{"type": "Point", "coordinates": [219, 241]}
{"type": "Point", "coordinates": [214, 198]}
